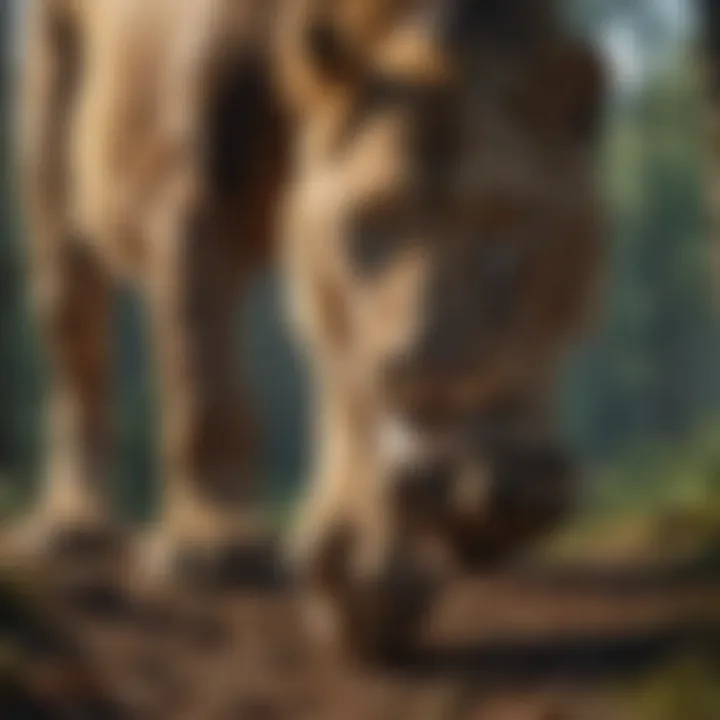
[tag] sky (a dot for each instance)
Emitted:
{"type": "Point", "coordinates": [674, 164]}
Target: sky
{"type": "Point", "coordinates": [630, 55]}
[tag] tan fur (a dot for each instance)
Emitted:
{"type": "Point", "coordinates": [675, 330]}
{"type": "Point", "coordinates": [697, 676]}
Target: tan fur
{"type": "Point", "coordinates": [164, 141]}
{"type": "Point", "coordinates": [122, 134]}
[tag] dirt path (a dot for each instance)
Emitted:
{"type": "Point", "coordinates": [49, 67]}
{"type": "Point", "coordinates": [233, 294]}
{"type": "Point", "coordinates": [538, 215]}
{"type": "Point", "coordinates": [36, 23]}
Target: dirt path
{"type": "Point", "coordinates": [519, 645]}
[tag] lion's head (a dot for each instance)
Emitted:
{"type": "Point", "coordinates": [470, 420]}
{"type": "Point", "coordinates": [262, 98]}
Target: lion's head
{"type": "Point", "coordinates": [445, 215]}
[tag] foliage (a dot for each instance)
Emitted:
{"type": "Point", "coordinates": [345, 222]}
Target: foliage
{"type": "Point", "coordinates": [659, 503]}
{"type": "Point", "coordinates": [649, 374]}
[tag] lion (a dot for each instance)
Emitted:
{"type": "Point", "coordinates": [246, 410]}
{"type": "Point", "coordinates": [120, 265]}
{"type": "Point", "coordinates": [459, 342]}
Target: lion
{"type": "Point", "coordinates": [441, 249]}
{"type": "Point", "coordinates": [422, 174]}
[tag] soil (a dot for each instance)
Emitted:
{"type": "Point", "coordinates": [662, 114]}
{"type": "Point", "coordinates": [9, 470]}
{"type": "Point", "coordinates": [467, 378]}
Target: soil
{"type": "Point", "coordinates": [517, 644]}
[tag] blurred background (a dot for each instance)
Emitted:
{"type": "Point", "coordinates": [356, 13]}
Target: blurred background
{"type": "Point", "coordinates": [642, 400]}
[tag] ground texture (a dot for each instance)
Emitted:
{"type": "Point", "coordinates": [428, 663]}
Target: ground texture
{"type": "Point", "coordinates": [519, 644]}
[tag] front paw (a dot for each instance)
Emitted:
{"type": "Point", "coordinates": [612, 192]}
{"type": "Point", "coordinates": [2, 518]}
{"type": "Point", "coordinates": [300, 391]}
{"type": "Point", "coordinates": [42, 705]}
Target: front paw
{"type": "Point", "coordinates": [366, 602]}
{"type": "Point", "coordinates": [47, 536]}
{"type": "Point", "coordinates": [245, 556]}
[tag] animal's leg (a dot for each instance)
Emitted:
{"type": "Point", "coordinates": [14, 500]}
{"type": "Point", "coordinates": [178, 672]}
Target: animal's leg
{"type": "Point", "coordinates": [72, 291]}
{"type": "Point", "coordinates": [210, 526]}
{"type": "Point", "coordinates": [366, 585]}
{"type": "Point", "coordinates": [74, 299]}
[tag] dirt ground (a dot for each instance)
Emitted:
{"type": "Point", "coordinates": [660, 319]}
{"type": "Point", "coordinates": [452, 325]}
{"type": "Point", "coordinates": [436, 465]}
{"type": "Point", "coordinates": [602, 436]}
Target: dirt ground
{"type": "Point", "coordinates": [519, 644]}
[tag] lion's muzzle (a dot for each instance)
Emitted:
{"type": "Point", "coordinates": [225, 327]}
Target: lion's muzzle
{"type": "Point", "coordinates": [486, 499]}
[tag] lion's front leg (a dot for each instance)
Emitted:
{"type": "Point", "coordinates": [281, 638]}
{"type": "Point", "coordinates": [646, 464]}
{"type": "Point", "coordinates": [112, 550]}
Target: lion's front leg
{"type": "Point", "coordinates": [210, 529]}
{"type": "Point", "coordinates": [74, 301]}
{"type": "Point", "coordinates": [73, 298]}
{"type": "Point", "coordinates": [365, 587]}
